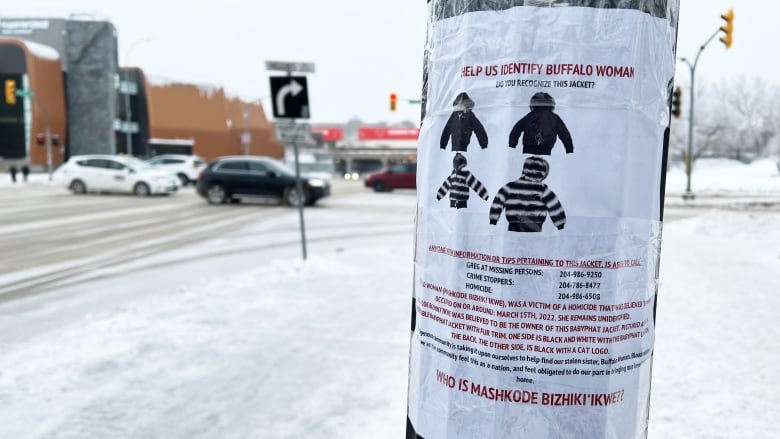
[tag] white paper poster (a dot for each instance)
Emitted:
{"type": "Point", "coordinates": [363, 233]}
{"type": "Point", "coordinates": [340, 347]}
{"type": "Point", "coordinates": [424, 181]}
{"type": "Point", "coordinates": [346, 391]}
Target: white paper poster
{"type": "Point", "coordinates": [540, 174]}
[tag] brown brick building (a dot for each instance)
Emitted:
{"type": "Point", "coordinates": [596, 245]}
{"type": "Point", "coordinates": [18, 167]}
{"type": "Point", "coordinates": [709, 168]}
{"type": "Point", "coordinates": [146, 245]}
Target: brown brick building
{"type": "Point", "coordinates": [93, 106]}
{"type": "Point", "coordinates": [31, 67]}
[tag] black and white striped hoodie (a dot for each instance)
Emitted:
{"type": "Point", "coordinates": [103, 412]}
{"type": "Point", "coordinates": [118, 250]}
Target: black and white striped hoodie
{"type": "Point", "coordinates": [528, 200]}
{"type": "Point", "coordinates": [458, 184]}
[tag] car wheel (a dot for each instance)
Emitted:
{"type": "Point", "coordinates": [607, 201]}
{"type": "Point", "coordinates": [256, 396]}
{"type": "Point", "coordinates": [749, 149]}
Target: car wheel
{"type": "Point", "coordinates": [291, 196]}
{"type": "Point", "coordinates": [379, 186]}
{"type": "Point", "coordinates": [216, 194]}
{"type": "Point", "coordinates": [183, 179]}
{"type": "Point", "coordinates": [141, 189]}
{"type": "Point", "coordinates": [78, 187]}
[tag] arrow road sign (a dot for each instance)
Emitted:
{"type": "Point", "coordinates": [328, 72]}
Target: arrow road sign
{"type": "Point", "coordinates": [292, 89]}
{"type": "Point", "coordinates": [290, 97]}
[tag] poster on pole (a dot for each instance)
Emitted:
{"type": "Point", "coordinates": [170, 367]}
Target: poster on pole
{"type": "Point", "coordinates": [541, 167]}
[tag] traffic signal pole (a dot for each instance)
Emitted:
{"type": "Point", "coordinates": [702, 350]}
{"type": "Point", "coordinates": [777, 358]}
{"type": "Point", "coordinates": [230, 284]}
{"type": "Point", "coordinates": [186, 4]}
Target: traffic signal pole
{"type": "Point", "coordinates": [47, 121]}
{"type": "Point", "coordinates": [688, 195]}
{"type": "Point", "coordinates": [726, 40]}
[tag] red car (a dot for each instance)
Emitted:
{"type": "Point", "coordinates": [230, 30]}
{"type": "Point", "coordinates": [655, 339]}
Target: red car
{"type": "Point", "coordinates": [400, 176]}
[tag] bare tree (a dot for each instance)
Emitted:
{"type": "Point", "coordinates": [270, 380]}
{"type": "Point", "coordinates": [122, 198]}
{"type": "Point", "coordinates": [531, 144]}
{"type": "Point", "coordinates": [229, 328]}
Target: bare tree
{"type": "Point", "coordinates": [707, 131]}
{"type": "Point", "coordinates": [746, 113]}
{"type": "Point", "coordinates": [734, 118]}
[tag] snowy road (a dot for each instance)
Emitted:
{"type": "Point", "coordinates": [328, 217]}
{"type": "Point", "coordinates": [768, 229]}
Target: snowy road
{"type": "Point", "coordinates": [222, 324]}
{"type": "Point", "coordinates": [234, 336]}
{"type": "Point", "coordinates": [57, 240]}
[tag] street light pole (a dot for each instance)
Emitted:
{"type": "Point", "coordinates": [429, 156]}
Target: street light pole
{"type": "Point", "coordinates": [128, 112]}
{"type": "Point", "coordinates": [688, 195]}
{"type": "Point", "coordinates": [245, 136]}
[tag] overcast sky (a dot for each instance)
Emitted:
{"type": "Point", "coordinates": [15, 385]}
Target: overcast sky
{"type": "Point", "coordinates": [362, 50]}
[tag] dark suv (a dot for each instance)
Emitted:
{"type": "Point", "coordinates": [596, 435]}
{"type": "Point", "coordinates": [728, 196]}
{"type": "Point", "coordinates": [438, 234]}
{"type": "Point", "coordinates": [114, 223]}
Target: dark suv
{"type": "Point", "coordinates": [237, 177]}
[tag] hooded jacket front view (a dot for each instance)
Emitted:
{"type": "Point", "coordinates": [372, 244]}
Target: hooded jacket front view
{"type": "Point", "coordinates": [462, 124]}
{"type": "Point", "coordinates": [528, 200]}
{"type": "Point", "coordinates": [541, 128]}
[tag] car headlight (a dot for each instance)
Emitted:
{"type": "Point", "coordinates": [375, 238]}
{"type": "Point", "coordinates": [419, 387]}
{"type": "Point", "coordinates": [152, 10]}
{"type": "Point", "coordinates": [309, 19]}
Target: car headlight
{"type": "Point", "coordinates": [316, 182]}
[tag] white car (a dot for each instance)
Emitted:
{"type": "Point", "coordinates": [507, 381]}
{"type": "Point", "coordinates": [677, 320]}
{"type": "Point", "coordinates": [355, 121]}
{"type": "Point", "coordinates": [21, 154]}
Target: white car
{"type": "Point", "coordinates": [114, 173]}
{"type": "Point", "coordinates": [185, 167]}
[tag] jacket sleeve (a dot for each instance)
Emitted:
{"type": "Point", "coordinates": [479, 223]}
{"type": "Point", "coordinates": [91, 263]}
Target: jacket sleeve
{"type": "Point", "coordinates": [554, 207]}
{"type": "Point", "coordinates": [445, 187]}
{"type": "Point", "coordinates": [479, 130]}
{"type": "Point", "coordinates": [497, 206]}
{"type": "Point", "coordinates": [517, 130]}
{"type": "Point", "coordinates": [563, 133]}
{"type": "Point", "coordinates": [445, 134]}
{"type": "Point", "coordinates": [477, 185]}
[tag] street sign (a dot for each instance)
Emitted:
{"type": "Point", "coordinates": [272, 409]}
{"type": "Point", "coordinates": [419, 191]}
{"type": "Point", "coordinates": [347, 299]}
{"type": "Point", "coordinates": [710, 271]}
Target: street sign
{"type": "Point", "coordinates": [289, 97]}
{"type": "Point", "coordinates": [290, 67]}
{"type": "Point", "coordinates": [290, 132]}
{"type": "Point", "coordinates": [128, 88]}
{"type": "Point", "coordinates": [25, 93]}
{"type": "Point", "coordinates": [124, 126]}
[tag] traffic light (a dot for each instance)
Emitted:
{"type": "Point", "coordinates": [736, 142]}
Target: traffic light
{"type": "Point", "coordinates": [677, 102]}
{"type": "Point", "coordinates": [393, 101]}
{"type": "Point", "coordinates": [728, 28]}
{"type": "Point", "coordinates": [10, 91]}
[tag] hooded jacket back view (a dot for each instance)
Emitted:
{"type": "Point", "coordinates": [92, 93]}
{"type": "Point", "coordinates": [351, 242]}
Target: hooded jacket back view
{"type": "Point", "coordinates": [541, 128]}
{"type": "Point", "coordinates": [528, 200]}
{"type": "Point", "coordinates": [462, 124]}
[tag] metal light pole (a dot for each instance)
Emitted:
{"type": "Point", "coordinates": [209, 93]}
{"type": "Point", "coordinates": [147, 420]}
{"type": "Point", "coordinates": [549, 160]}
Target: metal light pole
{"type": "Point", "coordinates": [245, 136]}
{"type": "Point", "coordinates": [128, 112]}
{"type": "Point", "coordinates": [688, 195]}
{"type": "Point", "coordinates": [299, 187]}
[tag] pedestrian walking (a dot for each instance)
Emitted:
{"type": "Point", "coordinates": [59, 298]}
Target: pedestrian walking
{"type": "Point", "coordinates": [13, 171]}
{"type": "Point", "coordinates": [25, 172]}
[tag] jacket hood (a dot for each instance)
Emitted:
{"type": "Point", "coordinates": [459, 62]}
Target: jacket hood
{"type": "Point", "coordinates": [459, 162]}
{"type": "Point", "coordinates": [463, 102]}
{"type": "Point", "coordinates": [542, 101]}
{"type": "Point", "coordinates": [535, 169]}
